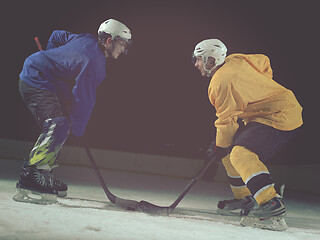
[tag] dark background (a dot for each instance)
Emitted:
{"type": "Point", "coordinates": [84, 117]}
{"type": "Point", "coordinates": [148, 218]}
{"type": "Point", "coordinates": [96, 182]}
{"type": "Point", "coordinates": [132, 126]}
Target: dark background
{"type": "Point", "coordinates": [153, 100]}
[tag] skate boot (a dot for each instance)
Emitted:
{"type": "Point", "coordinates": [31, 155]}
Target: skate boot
{"type": "Point", "coordinates": [233, 207]}
{"type": "Point", "coordinates": [59, 185]}
{"type": "Point", "coordinates": [268, 216]}
{"type": "Point", "coordinates": [35, 186]}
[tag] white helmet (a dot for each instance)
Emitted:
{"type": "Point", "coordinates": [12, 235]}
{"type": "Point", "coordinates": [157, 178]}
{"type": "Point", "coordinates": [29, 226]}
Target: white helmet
{"type": "Point", "coordinates": [115, 29]}
{"type": "Point", "coordinates": [210, 48]}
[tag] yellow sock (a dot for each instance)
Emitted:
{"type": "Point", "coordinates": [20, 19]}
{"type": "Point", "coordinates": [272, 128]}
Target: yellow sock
{"type": "Point", "coordinates": [238, 187]}
{"type": "Point", "coordinates": [253, 173]}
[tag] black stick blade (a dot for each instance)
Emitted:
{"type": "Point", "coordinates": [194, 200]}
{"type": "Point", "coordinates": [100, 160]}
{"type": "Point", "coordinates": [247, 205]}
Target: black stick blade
{"type": "Point", "coordinates": [126, 204]}
{"type": "Point", "coordinates": [150, 208]}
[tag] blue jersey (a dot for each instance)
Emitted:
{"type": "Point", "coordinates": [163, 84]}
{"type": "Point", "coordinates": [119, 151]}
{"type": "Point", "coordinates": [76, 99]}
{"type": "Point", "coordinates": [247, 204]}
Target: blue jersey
{"type": "Point", "coordinates": [73, 66]}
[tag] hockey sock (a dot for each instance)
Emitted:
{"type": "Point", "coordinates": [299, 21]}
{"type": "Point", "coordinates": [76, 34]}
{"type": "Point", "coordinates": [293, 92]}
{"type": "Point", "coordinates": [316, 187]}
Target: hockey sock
{"type": "Point", "coordinates": [237, 185]}
{"type": "Point", "coordinates": [45, 151]}
{"type": "Point", "coordinates": [253, 173]}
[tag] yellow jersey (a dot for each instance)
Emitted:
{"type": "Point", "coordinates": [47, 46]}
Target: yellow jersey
{"type": "Point", "coordinates": [243, 88]}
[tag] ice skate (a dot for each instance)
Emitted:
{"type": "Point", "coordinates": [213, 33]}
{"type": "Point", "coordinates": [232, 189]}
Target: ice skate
{"type": "Point", "coordinates": [234, 206]}
{"type": "Point", "coordinates": [60, 186]}
{"type": "Point", "coordinates": [268, 216]}
{"type": "Point", "coordinates": [35, 186]}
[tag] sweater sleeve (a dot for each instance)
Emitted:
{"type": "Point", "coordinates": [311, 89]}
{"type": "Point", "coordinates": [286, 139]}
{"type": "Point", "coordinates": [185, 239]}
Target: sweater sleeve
{"type": "Point", "coordinates": [229, 104]}
{"type": "Point", "coordinates": [84, 93]}
{"type": "Point", "coordinates": [59, 38]}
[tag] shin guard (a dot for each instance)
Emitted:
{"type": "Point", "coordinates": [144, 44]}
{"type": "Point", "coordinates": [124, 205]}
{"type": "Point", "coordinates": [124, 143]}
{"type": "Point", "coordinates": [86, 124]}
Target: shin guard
{"type": "Point", "coordinates": [253, 173]}
{"type": "Point", "coordinates": [237, 185]}
{"type": "Point", "coordinates": [54, 133]}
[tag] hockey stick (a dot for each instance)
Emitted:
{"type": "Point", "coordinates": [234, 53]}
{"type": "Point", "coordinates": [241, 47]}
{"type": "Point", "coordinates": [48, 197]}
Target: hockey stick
{"type": "Point", "coordinates": [120, 202]}
{"type": "Point", "coordinates": [147, 207]}
{"type": "Point", "coordinates": [144, 206]}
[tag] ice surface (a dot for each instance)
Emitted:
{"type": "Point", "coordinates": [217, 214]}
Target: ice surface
{"type": "Point", "coordinates": [87, 214]}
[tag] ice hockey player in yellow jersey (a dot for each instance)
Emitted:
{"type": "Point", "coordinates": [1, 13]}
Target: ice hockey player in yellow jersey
{"type": "Point", "coordinates": [255, 117]}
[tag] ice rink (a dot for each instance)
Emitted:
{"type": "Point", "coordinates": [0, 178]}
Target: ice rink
{"type": "Point", "coordinates": [87, 213]}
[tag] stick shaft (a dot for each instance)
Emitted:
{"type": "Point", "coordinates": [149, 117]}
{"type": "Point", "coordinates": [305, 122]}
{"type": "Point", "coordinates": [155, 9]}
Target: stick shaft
{"type": "Point", "coordinates": [110, 196]}
{"type": "Point", "coordinates": [120, 202]}
{"type": "Point", "coordinates": [190, 185]}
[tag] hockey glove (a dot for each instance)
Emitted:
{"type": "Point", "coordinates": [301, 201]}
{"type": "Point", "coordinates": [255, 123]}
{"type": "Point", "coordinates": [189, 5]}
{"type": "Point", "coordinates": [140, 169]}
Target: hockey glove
{"type": "Point", "coordinates": [217, 152]}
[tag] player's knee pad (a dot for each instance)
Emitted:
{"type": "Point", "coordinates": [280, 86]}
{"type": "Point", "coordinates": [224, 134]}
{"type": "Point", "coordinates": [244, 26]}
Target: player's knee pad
{"type": "Point", "coordinates": [228, 166]}
{"type": "Point", "coordinates": [245, 162]}
{"type": "Point", "coordinates": [237, 154]}
{"type": "Point", "coordinates": [57, 128]}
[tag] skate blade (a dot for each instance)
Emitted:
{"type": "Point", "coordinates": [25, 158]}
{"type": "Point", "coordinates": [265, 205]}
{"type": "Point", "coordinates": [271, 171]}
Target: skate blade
{"type": "Point", "coordinates": [274, 224]}
{"type": "Point", "coordinates": [28, 196]}
{"type": "Point", "coordinates": [62, 194]}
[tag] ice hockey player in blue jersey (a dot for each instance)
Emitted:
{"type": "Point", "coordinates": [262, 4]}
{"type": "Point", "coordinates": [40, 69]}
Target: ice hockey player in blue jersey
{"type": "Point", "coordinates": [59, 87]}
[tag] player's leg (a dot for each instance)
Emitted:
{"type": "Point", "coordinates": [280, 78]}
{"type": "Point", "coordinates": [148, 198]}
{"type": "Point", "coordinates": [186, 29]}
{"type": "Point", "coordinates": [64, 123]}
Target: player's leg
{"type": "Point", "coordinates": [270, 212]}
{"type": "Point", "coordinates": [36, 174]}
{"type": "Point", "coordinates": [256, 143]}
{"type": "Point", "coordinates": [46, 150]}
{"type": "Point", "coordinates": [243, 198]}
{"type": "Point", "coordinates": [254, 173]}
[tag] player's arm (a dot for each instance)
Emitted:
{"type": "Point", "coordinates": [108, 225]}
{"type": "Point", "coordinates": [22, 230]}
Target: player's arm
{"type": "Point", "coordinates": [84, 98]}
{"type": "Point", "coordinates": [229, 105]}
